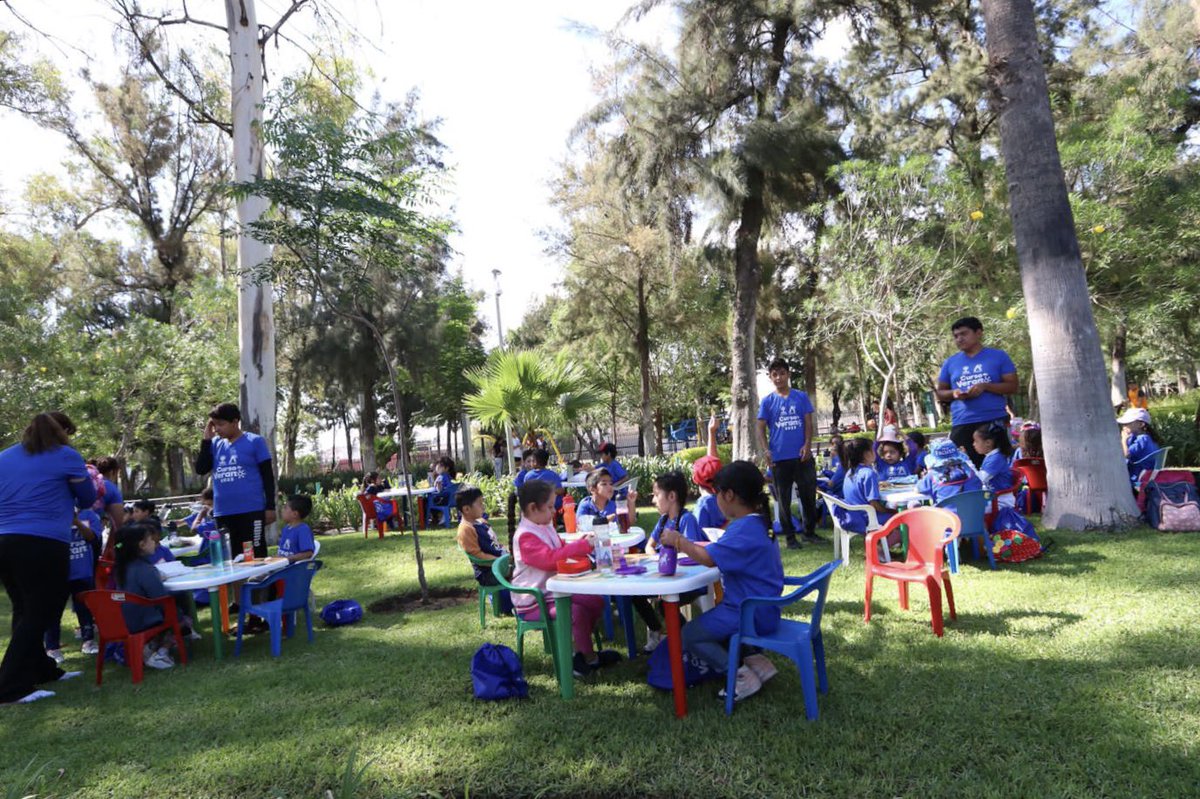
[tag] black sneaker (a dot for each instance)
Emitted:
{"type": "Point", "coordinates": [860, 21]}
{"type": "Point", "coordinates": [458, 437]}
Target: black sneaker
{"type": "Point", "coordinates": [608, 657]}
{"type": "Point", "coordinates": [792, 543]}
{"type": "Point", "coordinates": [813, 538]}
{"type": "Point", "coordinates": [579, 666]}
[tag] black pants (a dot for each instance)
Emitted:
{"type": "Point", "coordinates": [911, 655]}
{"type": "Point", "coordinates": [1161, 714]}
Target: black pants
{"type": "Point", "coordinates": [803, 474]}
{"type": "Point", "coordinates": [34, 572]}
{"type": "Point", "coordinates": [243, 527]}
{"type": "Point", "coordinates": [963, 435]}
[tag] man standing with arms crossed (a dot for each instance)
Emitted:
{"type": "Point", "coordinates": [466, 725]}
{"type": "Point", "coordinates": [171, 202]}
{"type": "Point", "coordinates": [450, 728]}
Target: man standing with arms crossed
{"type": "Point", "coordinates": [789, 415]}
{"type": "Point", "coordinates": [243, 479]}
{"type": "Point", "coordinates": [975, 381]}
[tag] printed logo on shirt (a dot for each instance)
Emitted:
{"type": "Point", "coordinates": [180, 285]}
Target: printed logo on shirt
{"type": "Point", "coordinates": [228, 470]}
{"type": "Point", "coordinates": [971, 378]}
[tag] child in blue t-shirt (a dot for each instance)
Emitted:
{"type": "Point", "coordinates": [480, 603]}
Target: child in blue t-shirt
{"type": "Point", "coordinates": [542, 471]}
{"type": "Point", "coordinates": [914, 460]}
{"type": "Point", "coordinates": [708, 513]}
{"type": "Point", "coordinates": [992, 442]}
{"type": "Point", "coordinates": [296, 541]}
{"type": "Point", "coordinates": [136, 575]}
{"type": "Point", "coordinates": [85, 534]}
{"type": "Point", "coordinates": [750, 566]}
{"type": "Point", "coordinates": [601, 501]}
{"type": "Point", "coordinates": [949, 472]}
{"type": "Point", "coordinates": [890, 462]}
{"type": "Point", "coordinates": [608, 459]}
{"type": "Point", "coordinates": [862, 488]}
{"type": "Point", "coordinates": [1138, 440]}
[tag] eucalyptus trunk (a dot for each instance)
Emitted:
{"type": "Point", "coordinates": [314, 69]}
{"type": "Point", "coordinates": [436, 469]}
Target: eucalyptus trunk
{"type": "Point", "coordinates": [256, 320]}
{"type": "Point", "coordinates": [643, 349]}
{"type": "Point", "coordinates": [1088, 483]}
{"type": "Point", "coordinates": [367, 428]}
{"type": "Point", "coordinates": [746, 283]}
{"type": "Point", "coordinates": [291, 422]}
{"type": "Point", "coordinates": [1120, 334]}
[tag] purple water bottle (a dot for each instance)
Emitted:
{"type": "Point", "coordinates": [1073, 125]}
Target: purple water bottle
{"type": "Point", "coordinates": [667, 560]}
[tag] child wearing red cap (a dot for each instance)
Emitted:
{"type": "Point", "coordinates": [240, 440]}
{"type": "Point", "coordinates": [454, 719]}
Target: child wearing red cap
{"type": "Point", "coordinates": [703, 471]}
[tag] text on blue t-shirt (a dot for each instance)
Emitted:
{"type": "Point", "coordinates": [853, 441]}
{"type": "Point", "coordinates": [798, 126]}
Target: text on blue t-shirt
{"type": "Point", "coordinates": [961, 371]}
{"type": "Point", "coordinates": [785, 422]}
{"type": "Point", "coordinates": [237, 484]}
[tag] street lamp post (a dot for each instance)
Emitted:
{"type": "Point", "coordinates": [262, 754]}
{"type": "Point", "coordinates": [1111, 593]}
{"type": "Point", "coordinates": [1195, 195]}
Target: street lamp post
{"type": "Point", "coordinates": [500, 333]}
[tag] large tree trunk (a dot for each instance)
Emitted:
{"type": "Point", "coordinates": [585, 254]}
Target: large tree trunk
{"type": "Point", "coordinates": [256, 320]}
{"type": "Point", "coordinates": [643, 349]}
{"type": "Point", "coordinates": [1088, 483]}
{"type": "Point", "coordinates": [367, 428]}
{"type": "Point", "coordinates": [1118, 364]}
{"type": "Point", "coordinates": [468, 451]}
{"type": "Point", "coordinates": [291, 422]}
{"type": "Point", "coordinates": [746, 283]}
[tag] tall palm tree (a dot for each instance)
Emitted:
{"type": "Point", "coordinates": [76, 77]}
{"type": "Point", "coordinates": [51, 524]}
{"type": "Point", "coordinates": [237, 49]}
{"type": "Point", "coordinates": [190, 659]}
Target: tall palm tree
{"type": "Point", "coordinates": [1088, 483]}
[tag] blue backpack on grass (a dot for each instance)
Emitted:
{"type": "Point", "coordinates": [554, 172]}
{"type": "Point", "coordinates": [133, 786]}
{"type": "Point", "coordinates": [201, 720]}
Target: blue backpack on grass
{"type": "Point", "coordinates": [496, 673]}
{"type": "Point", "coordinates": [341, 611]}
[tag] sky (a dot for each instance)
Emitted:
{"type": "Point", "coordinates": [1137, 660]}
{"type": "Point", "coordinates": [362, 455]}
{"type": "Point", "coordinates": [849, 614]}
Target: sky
{"type": "Point", "coordinates": [508, 82]}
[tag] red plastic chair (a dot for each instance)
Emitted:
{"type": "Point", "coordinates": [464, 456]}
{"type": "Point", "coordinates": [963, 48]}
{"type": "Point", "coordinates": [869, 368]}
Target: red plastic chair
{"type": "Point", "coordinates": [929, 531]}
{"type": "Point", "coordinates": [104, 574]}
{"type": "Point", "coordinates": [1034, 470]}
{"type": "Point", "coordinates": [110, 626]}
{"type": "Point", "coordinates": [368, 508]}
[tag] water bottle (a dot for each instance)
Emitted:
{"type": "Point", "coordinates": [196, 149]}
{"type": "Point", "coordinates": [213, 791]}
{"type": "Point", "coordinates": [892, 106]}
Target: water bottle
{"type": "Point", "coordinates": [667, 560]}
{"type": "Point", "coordinates": [226, 551]}
{"type": "Point", "coordinates": [215, 556]}
{"type": "Point", "coordinates": [584, 523]}
{"type": "Point", "coordinates": [603, 545]}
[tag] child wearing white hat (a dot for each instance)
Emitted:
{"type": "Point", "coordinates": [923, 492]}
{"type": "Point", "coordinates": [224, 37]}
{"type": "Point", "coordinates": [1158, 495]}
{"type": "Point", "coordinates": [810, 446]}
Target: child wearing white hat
{"type": "Point", "coordinates": [1138, 439]}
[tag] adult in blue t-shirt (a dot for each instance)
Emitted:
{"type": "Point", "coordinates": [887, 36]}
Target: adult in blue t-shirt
{"type": "Point", "coordinates": [541, 471]}
{"type": "Point", "coordinates": [243, 479]}
{"type": "Point", "coordinates": [41, 480]}
{"type": "Point", "coordinates": [975, 381]}
{"type": "Point", "coordinates": [785, 430]}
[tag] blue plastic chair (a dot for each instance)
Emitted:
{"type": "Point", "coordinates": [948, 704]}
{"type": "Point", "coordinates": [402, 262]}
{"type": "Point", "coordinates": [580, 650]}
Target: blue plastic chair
{"type": "Point", "coordinates": [971, 508]}
{"type": "Point", "coordinates": [1154, 463]}
{"type": "Point", "coordinates": [799, 640]}
{"type": "Point", "coordinates": [443, 503]}
{"type": "Point", "coordinates": [297, 580]}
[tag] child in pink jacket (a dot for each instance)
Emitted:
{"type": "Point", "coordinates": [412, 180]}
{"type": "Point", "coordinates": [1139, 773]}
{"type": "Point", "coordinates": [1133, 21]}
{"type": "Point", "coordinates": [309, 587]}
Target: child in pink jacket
{"type": "Point", "coordinates": [537, 549]}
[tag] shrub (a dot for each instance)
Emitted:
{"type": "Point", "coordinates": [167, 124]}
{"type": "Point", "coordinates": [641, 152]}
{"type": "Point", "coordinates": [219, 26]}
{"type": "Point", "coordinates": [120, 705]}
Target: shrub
{"type": "Point", "coordinates": [1177, 430]}
{"type": "Point", "coordinates": [335, 510]}
{"type": "Point", "coordinates": [495, 491]}
{"type": "Point", "coordinates": [690, 456]}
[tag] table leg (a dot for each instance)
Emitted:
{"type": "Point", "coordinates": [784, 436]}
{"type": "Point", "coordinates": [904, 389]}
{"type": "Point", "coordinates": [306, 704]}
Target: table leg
{"type": "Point", "coordinates": [224, 592]}
{"type": "Point", "coordinates": [675, 649]}
{"type": "Point", "coordinates": [214, 597]}
{"type": "Point", "coordinates": [563, 646]}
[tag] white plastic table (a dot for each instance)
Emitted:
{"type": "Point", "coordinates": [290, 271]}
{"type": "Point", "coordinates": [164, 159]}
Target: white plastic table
{"type": "Point", "coordinates": [396, 493]}
{"type": "Point", "coordinates": [576, 482]}
{"type": "Point", "coordinates": [686, 578]}
{"type": "Point", "coordinates": [904, 496]}
{"type": "Point", "coordinates": [211, 578]}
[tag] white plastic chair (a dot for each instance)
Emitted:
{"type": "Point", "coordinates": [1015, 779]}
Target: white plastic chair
{"type": "Point", "coordinates": [316, 549]}
{"type": "Point", "coordinates": [841, 537]}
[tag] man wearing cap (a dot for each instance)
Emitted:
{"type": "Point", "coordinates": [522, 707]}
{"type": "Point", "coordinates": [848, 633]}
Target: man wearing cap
{"type": "Point", "coordinates": [975, 381]}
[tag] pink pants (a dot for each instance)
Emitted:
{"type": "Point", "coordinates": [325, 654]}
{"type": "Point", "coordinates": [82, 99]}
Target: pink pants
{"type": "Point", "coordinates": [585, 612]}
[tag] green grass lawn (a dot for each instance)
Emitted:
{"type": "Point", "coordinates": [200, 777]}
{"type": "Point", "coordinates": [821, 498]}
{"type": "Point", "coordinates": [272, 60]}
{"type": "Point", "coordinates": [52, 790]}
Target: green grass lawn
{"type": "Point", "coordinates": [1077, 675]}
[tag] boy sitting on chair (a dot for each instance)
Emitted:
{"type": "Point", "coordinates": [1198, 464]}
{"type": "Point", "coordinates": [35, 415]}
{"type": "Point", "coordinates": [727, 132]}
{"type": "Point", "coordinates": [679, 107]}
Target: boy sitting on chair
{"type": "Point", "coordinates": [478, 540]}
{"type": "Point", "coordinates": [296, 542]}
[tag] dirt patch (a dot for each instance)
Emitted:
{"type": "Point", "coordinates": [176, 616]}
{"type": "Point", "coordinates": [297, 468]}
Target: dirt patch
{"type": "Point", "coordinates": [439, 598]}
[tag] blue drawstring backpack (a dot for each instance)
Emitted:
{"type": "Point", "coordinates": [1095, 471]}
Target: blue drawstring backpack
{"type": "Point", "coordinates": [496, 673]}
{"type": "Point", "coordinates": [341, 611]}
{"type": "Point", "coordinates": [695, 670]}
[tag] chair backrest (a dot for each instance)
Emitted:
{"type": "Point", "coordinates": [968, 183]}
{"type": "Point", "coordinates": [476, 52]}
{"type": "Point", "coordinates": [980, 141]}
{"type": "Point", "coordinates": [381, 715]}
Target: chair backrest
{"type": "Point", "coordinates": [1155, 460]}
{"type": "Point", "coordinates": [970, 507]}
{"type": "Point", "coordinates": [368, 505]}
{"type": "Point", "coordinates": [316, 549]}
{"type": "Point", "coordinates": [297, 582]}
{"type": "Point", "coordinates": [105, 606]}
{"type": "Point", "coordinates": [832, 502]}
{"type": "Point", "coordinates": [816, 581]}
{"type": "Point", "coordinates": [1034, 470]}
{"type": "Point", "coordinates": [929, 530]}
{"type": "Point", "coordinates": [502, 570]}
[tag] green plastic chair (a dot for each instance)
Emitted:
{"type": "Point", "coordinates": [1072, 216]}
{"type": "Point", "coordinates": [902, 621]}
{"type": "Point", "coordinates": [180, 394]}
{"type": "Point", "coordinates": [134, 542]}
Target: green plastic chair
{"type": "Point", "coordinates": [485, 591]}
{"type": "Point", "coordinates": [502, 568]}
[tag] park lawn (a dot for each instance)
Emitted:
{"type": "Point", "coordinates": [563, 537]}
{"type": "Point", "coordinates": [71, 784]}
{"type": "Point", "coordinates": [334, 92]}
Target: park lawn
{"type": "Point", "coordinates": [1077, 675]}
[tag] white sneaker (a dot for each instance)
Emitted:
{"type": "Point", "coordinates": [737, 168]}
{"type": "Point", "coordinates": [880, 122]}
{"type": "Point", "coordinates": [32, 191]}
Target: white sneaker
{"type": "Point", "coordinates": [70, 675]}
{"type": "Point", "coordinates": [33, 697]}
{"type": "Point", "coordinates": [762, 666]}
{"type": "Point", "coordinates": [193, 635]}
{"type": "Point", "coordinates": [747, 684]}
{"type": "Point", "coordinates": [57, 654]}
{"type": "Point", "coordinates": [159, 661]}
{"type": "Point", "coordinates": [90, 648]}
{"type": "Point", "coordinates": [653, 639]}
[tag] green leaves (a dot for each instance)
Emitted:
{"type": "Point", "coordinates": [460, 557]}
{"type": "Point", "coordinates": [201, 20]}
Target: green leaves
{"type": "Point", "coordinates": [530, 391]}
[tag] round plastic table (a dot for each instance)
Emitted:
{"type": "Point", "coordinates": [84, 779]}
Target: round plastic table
{"type": "Point", "coordinates": [686, 578]}
{"type": "Point", "coordinates": [189, 546]}
{"type": "Point", "coordinates": [418, 493]}
{"type": "Point", "coordinates": [211, 578]}
{"type": "Point", "coordinates": [632, 538]}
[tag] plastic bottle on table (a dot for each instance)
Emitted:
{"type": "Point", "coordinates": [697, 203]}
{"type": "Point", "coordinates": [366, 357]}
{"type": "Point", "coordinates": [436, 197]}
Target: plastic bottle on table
{"type": "Point", "coordinates": [215, 555]}
{"type": "Point", "coordinates": [569, 522]}
{"type": "Point", "coordinates": [226, 550]}
{"type": "Point", "coordinates": [668, 557]}
{"type": "Point", "coordinates": [603, 545]}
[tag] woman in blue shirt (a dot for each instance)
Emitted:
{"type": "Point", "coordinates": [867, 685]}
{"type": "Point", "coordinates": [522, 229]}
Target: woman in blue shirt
{"type": "Point", "coordinates": [41, 480]}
